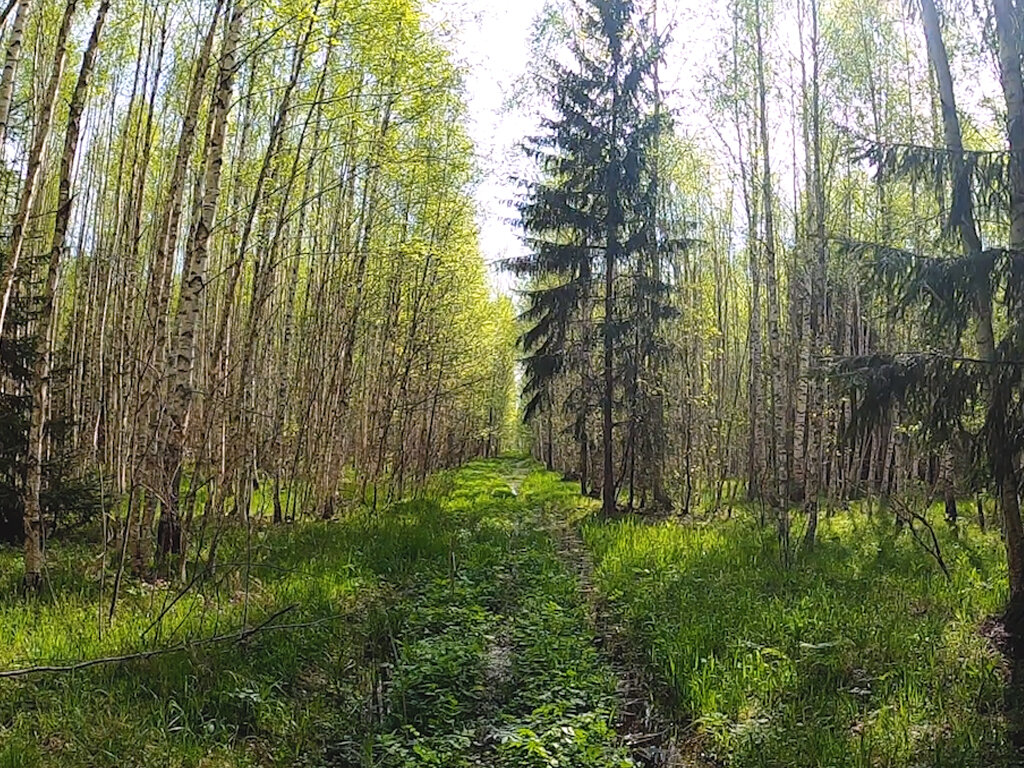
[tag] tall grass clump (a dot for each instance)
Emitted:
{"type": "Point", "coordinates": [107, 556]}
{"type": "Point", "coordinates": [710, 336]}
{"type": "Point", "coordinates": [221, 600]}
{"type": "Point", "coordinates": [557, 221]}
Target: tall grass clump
{"type": "Point", "coordinates": [860, 653]}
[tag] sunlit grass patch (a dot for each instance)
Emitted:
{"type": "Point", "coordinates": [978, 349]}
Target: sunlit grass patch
{"type": "Point", "coordinates": [262, 701]}
{"type": "Point", "coordinates": [861, 653]}
{"type": "Point", "coordinates": [442, 630]}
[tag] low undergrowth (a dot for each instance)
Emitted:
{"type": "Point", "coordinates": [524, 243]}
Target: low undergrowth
{"type": "Point", "coordinates": [441, 632]}
{"type": "Point", "coordinates": [448, 631]}
{"type": "Point", "coordinates": [861, 653]}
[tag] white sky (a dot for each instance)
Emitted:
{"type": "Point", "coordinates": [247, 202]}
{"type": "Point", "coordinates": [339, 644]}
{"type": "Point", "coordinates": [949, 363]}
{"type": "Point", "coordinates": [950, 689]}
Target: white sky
{"type": "Point", "coordinates": [491, 39]}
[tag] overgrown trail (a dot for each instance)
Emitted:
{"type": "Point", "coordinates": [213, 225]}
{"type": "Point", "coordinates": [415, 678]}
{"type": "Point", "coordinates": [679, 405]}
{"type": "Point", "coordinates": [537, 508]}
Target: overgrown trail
{"type": "Point", "coordinates": [557, 685]}
{"type": "Point", "coordinates": [497, 663]}
{"type": "Point", "coordinates": [449, 630]}
{"type": "Point", "coordinates": [653, 738]}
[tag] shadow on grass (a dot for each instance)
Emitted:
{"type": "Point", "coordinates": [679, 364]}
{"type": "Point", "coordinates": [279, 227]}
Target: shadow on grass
{"type": "Point", "coordinates": [861, 654]}
{"type": "Point", "coordinates": [267, 700]}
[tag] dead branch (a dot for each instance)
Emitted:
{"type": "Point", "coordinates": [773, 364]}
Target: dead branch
{"type": "Point", "coordinates": [238, 637]}
{"type": "Point", "coordinates": [910, 518]}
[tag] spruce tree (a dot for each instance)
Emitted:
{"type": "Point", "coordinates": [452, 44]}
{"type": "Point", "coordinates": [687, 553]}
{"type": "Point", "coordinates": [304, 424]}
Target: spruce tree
{"type": "Point", "coordinates": [968, 387]}
{"type": "Point", "coordinates": [70, 497]}
{"type": "Point", "coordinates": [596, 293]}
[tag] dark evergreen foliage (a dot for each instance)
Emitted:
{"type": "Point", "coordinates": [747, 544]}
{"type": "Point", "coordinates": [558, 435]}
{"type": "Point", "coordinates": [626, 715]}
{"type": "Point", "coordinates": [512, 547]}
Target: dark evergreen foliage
{"type": "Point", "coordinates": [593, 215]}
{"type": "Point", "coordinates": [68, 500]}
{"type": "Point", "coordinates": [951, 395]}
{"type": "Point", "coordinates": [977, 178]}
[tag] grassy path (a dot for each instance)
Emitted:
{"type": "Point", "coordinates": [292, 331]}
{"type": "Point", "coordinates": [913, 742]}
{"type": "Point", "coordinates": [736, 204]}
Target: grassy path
{"type": "Point", "coordinates": [446, 631]}
{"type": "Point", "coordinates": [514, 663]}
{"type": "Point", "coordinates": [643, 721]}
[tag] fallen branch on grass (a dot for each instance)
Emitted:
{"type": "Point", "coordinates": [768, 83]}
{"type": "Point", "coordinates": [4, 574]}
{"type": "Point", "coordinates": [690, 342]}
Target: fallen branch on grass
{"type": "Point", "coordinates": [238, 637]}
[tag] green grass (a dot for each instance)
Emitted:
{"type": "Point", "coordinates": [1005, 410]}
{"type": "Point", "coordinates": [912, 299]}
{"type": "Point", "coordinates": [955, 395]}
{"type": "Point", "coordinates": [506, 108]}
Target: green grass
{"type": "Point", "coordinates": [444, 632]}
{"type": "Point", "coordinates": [448, 631]}
{"type": "Point", "coordinates": [859, 654]}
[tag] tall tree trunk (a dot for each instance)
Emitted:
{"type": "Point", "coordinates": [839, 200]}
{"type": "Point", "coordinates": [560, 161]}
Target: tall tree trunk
{"type": "Point", "coordinates": [11, 60]}
{"type": "Point", "coordinates": [611, 255]}
{"type": "Point", "coordinates": [180, 359]}
{"type": "Point", "coordinates": [1003, 463]}
{"type": "Point", "coordinates": [779, 460]}
{"type": "Point", "coordinates": [819, 289]}
{"type": "Point", "coordinates": [1011, 49]}
{"type": "Point", "coordinates": [756, 457]}
{"type": "Point", "coordinates": [44, 330]}
{"type": "Point", "coordinates": [755, 445]}
{"type": "Point", "coordinates": [655, 437]}
{"type": "Point", "coordinates": [35, 162]}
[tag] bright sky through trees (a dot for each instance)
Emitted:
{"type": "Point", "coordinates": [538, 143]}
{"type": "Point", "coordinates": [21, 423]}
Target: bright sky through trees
{"type": "Point", "coordinates": [493, 41]}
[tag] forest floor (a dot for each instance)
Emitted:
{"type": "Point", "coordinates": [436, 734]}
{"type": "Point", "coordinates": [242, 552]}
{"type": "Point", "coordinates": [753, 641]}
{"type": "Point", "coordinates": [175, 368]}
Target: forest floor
{"type": "Point", "coordinates": [498, 622]}
{"type": "Point", "coordinates": [445, 631]}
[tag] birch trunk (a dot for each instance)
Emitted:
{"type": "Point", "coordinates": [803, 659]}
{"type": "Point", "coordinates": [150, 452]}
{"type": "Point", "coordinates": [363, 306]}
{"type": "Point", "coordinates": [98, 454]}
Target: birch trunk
{"type": "Point", "coordinates": [11, 60]}
{"type": "Point", "coordinates": [779, 459]}
{"type": "Point", "coordinates": [41, 364]}
{"type": "Point", "coordinates": [180, 358]}
{"type": "Point", "coordinates": [35, 163]}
